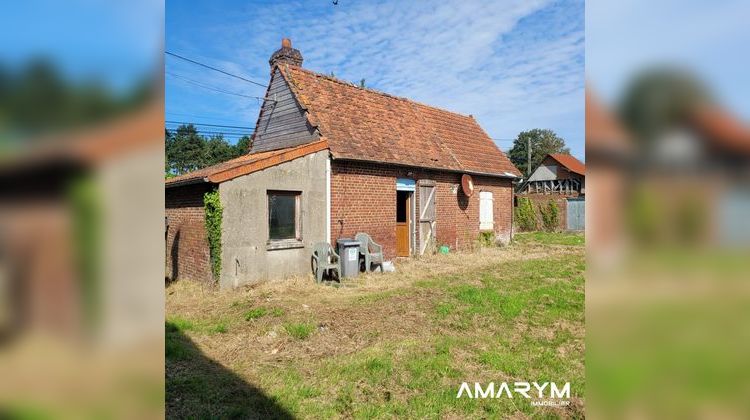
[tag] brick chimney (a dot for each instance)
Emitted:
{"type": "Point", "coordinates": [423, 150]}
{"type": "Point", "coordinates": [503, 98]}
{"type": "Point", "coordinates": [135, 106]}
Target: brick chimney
{"type": "Point", "coordinates": [286, 55]}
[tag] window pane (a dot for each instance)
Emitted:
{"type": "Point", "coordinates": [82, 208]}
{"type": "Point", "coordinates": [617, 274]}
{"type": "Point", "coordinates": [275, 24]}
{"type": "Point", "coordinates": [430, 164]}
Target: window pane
{"type": "Point", "coordinates": [281, 216]}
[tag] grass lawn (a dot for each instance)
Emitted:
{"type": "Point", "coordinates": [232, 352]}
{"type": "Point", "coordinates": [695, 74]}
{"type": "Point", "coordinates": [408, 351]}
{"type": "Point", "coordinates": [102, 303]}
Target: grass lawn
{"type": "Point", "coordinates": [385, 345]}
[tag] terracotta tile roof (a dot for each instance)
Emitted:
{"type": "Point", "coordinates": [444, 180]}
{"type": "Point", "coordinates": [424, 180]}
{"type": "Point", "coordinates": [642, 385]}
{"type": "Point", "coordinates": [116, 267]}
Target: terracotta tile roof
{"type": "Point", "coordinates": [574, 165]}
{"type": "Point", "coordinates": [363, 124]}
{"type": "Point", "coordinates": [722, 129]}
{"type": "Point", "coordinates": [603, 130]}
{"type": "Point", "coordinates": [246, 164]}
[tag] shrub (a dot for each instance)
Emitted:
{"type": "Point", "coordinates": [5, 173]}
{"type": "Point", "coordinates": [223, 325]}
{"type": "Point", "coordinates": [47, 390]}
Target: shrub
{"type": "Point", "coordinates": [525, 216]}
{"type": "Point", "coordinates": [213, 209]}
{"type": "Point", "coordinates": [550, 216]}
{"type": "Point", "coordinates": [486, 238]}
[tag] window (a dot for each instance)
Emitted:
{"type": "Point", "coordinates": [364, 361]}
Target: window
{"type": "Point", "coordinates": [284, 216]}
{"type": "Point", "coordinates": [486, 219]}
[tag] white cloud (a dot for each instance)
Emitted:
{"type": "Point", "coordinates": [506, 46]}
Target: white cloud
{"type": "Point", "coordinates": [472, 57]}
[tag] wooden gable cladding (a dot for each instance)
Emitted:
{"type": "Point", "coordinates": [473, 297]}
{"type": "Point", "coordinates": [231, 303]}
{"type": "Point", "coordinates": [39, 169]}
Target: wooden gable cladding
{"type": "Point", "coordinates": [282, 121]}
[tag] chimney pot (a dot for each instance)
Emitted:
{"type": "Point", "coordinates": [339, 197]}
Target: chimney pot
{"type": "Point", "coordinates": [286, 55]}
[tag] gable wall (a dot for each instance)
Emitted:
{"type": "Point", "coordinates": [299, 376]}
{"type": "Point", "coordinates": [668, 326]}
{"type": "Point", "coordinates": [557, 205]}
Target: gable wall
{"type": "Point", "coordinates": [281, 123]}
{"type": "Point", "coordinates": [246, 257]}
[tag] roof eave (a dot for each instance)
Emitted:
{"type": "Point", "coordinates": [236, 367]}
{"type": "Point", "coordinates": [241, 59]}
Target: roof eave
{"type": "Point", "coordinates": [507, 175]}
{"type": "Point", "coordinates": [189, 181]}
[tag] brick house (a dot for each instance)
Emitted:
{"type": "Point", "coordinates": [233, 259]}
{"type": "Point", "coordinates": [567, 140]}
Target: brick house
{"type": "Point", "coordinates": [329, 159]}
{"type": "Point", "coordinates": [561, 178]}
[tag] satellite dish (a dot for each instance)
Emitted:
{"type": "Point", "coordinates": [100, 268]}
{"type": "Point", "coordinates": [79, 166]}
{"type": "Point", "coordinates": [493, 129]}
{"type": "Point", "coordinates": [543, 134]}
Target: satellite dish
{"type": "Point", "coordinates": [467, 185]}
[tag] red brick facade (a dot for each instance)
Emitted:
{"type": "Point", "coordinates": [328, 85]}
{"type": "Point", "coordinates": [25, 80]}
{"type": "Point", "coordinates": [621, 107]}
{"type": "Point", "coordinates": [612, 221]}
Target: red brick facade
{"type": "Point", "coordinates": [539, 200]}
{"type": "Point", "coordinates": [363, 199]}
{"type": "Point", "coordinates": [187, 244]}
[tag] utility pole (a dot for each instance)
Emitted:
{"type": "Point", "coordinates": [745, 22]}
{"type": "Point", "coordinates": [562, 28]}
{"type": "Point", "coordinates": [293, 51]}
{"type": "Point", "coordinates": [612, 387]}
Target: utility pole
{"type": "Point", "coordinates": [528, 159]}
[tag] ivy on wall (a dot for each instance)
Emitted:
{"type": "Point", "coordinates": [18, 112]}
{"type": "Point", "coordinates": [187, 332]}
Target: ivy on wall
{"type": "Point", "coordinates": [525, 216]}
{"type": "Point", "coordinates": [550, 216]}
{"type": "Point", "coordinates": [213, 209]}
{"type": "Point", "coordinates": [85, 204]}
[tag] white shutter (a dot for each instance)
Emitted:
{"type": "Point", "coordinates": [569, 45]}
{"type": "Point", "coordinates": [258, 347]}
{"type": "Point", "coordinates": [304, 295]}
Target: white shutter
{"type": "Point", "coordinates": [486, 219]}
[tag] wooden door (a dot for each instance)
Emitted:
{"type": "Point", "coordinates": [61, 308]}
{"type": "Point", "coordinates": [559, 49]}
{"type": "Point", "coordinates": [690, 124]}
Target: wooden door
{"type": "Point", "coordinates": [403, 210]}
{"type": "Point", "coordinates": [426, 216]}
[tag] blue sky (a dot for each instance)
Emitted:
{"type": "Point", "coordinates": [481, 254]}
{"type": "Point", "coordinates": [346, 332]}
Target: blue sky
{"type": "Point", "coordinates": [117, 43]}
{"type": "Point", "coordinates": [514, 65]}
{"type": "Point", "coordinates": [709, 39]}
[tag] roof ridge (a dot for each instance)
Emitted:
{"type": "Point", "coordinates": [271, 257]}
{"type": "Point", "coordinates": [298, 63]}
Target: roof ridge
{"type": "Point", "coordinates": [375, 91]}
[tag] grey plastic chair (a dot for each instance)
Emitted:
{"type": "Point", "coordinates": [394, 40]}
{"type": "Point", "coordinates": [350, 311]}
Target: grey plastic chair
{"type": "Point", "coordinates": [372, 252]}
{"type": "Point", "coordinates": [324, 258]}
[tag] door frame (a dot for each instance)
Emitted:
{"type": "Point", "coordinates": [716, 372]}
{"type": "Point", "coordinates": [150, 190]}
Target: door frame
{"type": "Point", "coordinates": [409, 185]}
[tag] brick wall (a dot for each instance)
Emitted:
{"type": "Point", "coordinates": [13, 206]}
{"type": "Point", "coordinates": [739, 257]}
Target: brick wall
{"type": "Point", "coordinates": [363, 199]}
{"type": "Point", "coordinates": [187, 244]}
{"type": "Point", "coordinates": [538, 200]}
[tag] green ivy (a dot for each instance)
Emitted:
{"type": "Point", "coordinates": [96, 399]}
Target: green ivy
{"type": "Point", "coordinates": [86, 209]}
{"type": "Point", "coordinates": [213, 209]}
{"type": "Point", "coordinates": [525, 216]}
{"type": "Point", "coordinates": [487, 238]}
{"type": "Point", "coordinates": [550, 216]}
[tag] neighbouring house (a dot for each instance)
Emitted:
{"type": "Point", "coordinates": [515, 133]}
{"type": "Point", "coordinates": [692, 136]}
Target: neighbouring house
{"type": "Point", "coordinates": [693, 179]}
{"type": "Point", "coordinates": [76, 252]}
{"type": "Point", "coordinates": [562, 179]}
{"type": "Point", "coordinates": [329, 159]}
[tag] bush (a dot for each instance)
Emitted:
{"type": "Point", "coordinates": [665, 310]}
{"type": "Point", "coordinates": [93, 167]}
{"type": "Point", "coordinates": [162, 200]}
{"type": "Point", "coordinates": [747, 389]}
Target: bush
{"type": "Point", "coordinates": [213, 209]}
{"type": "Point", "coordinates": [525, 217]}
{"type": "Point", "coordinates": [550, 216]}
{"type": "Point", "coordinates": [486, 238]}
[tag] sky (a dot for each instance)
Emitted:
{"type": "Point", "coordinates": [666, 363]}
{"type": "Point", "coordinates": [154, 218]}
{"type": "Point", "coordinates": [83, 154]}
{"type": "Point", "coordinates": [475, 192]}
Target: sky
{"type": "Point", "coordinates": [116, 43]}
{"type": "Point", "coordinates": [513, 65]}
{"type": "Point", "coordinates": [708, 39]}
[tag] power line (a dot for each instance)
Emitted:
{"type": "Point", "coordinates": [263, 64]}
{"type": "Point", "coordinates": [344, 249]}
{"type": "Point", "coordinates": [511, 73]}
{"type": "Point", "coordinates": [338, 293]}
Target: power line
{"type": "Point", "coordinates": [213, 68]}
{"type": "Point", "coordinates": [200, 116]}
{"type": "Point", "coordinates": [213, 88]}
{"type": "Point", "coordinates": [209, 125]}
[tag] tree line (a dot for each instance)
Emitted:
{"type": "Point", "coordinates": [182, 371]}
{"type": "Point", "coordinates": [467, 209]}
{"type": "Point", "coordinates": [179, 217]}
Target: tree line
{"type": "Point", "coordinates": [187, 150]}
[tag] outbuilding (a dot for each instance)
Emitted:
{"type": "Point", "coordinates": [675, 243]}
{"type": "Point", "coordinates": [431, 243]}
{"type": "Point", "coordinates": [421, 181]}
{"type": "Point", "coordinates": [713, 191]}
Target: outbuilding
{"type": "Point", "coordinates": [561, 178]}
{"type": "Point", "coordinates": [329, 159]}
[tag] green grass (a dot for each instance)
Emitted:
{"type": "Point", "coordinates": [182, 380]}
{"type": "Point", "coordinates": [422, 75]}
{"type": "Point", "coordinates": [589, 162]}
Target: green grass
{"type": "Point", "coordinates": [181, 325]}
{"type": "Point", "coordinates": [549, 238]}
{"type": "Point", "coordinates": [255, 313]}
{"type": "Point", "coordinates": [516, 319]}
{"type": "Point", "coordinates": [300, 331]}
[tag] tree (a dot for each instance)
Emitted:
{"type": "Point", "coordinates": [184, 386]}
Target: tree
{"type": "Point", "coordinates": [217, 150]}
{"type": "Point", "coordinates": [543, 142]}
{"type": "Point", "coordinates": [658, 100]}
{"type": "Point", "coordinates": [243, 145]}
{"type": "Point", "coordinates": [186, 150]}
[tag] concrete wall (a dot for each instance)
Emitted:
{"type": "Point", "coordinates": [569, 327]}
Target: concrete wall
{"type": "Point", "coordinates": [245, 254]}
